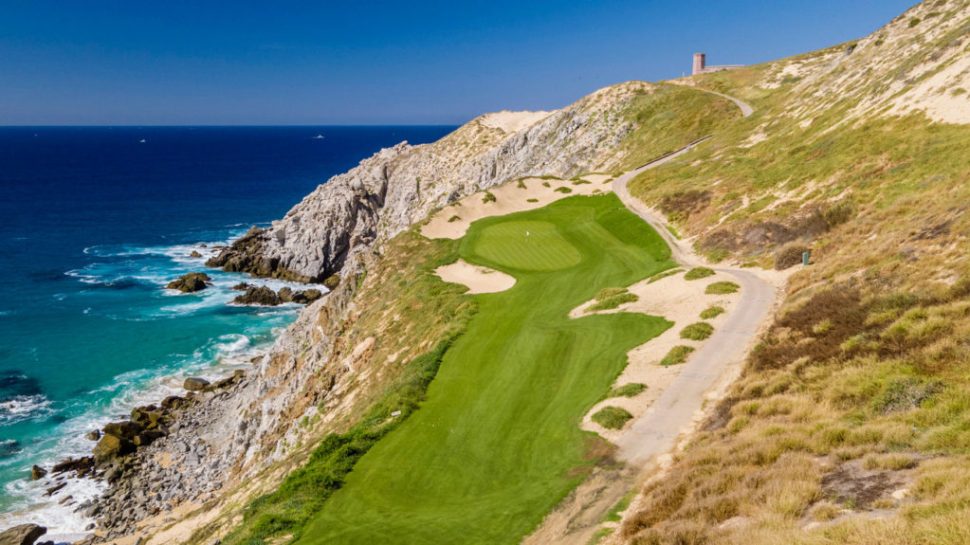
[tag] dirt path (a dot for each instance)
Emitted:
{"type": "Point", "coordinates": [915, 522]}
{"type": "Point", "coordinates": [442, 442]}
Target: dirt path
{"type": "Point", "coordinates": [679, 407]}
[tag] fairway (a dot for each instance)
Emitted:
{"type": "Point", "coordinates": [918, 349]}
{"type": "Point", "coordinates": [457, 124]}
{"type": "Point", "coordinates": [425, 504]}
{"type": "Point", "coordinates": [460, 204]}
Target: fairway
{"type": "Point", "coordinates": [497, 443]}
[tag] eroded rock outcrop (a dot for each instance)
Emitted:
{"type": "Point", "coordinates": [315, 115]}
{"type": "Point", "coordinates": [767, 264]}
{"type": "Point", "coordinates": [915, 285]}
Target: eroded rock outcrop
{"type": "Point", "coordinates": [400, 185]}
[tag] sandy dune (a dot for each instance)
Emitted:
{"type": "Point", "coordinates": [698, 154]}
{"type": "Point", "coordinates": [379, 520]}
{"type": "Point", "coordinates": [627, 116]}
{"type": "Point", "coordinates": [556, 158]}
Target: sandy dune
{"type": "Point", "coordinates": [478, 279]}
{"type": "Point", "coordinates": [453, 221]}
{"type": "Point", "coordinates": [510, 122]}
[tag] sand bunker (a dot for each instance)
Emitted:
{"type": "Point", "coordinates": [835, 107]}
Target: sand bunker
{"type": "Point", "coordinates": [478, 279]}
{"type": "Point", "coordinates": [453, 220]}
{"type": "Point", "coordinates": [512, 121]}
{"type": "Point", "coordinates": [677, 300]}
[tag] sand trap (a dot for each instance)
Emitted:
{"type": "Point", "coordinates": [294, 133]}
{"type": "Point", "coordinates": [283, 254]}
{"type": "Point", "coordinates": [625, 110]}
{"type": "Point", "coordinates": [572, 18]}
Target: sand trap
{"type": "Point", "coordinates": [677, 300]}
{"type": "Point", "coordinates": [453, 220]}
{"type": "Point", "coordinates": [598, 178]}
{"type": "Point", "coordinates": [510, 122]}
{"type": "Point", "coordinates": [478, 279]}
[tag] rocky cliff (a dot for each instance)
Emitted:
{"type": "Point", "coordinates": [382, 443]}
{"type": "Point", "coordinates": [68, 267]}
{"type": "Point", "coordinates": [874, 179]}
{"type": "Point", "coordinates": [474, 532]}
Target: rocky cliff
{"type": "Point", "coordinates": [398, 186]}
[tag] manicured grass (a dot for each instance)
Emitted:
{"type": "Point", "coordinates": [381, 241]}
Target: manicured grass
{"type": "Point", "coordinates": [722, 288]}
{"type": "Point", "coordinates": [497, 444]}
{"type": "Point", "coordinates": [697, 331]}
{"type": "Point", "coordinates": [612, 418]}
{"type": "Point", "coordinates": [697, 273]}
{"type": "Point", "coordinates": [628, 390]}
{"type": "Point", "coordinates": [677, 355]}
{"type": "Point", "coordinates": [712, 311]}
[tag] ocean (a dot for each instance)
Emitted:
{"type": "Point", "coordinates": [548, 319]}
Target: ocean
{"type": "Point", "coordinates": [94, 221]}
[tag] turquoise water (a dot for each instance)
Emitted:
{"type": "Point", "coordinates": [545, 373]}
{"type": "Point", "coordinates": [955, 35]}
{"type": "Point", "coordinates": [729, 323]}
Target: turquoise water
{"type": "Point", "coordinates": [95, 221]}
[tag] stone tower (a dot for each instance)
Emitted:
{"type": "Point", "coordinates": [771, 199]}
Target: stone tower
{"type": "Point", "coordinates": [700, 61]}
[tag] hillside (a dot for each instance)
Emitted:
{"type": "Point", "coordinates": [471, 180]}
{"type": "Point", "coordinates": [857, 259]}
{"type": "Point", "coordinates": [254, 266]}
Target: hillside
{"type": "Point", "coordinates": [402, 405]}
{"type": "Point", "coordinates": [849, 422]}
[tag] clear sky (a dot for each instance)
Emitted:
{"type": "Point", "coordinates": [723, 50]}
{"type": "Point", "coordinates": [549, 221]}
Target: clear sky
{"type": "Point", "coordinates": [368, 62]}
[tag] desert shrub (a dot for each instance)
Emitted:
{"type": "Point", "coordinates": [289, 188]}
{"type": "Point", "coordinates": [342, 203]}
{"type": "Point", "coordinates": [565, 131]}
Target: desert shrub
{"type": "Point", "coordinates": [678, 206]}
{"type": "Point", "coordinates": [532, 200]}
{"type": "Point", "coordinates": [913, 21]}
{"type": "Point", "coordinates": [580, 181]}
{"type": "Point", "coordinates": [789, 256]}
{"type": "Point", "coordinates": [488, 197]}
{"type": "Point", "coordinates": [453, 219]}
{"type": "Point", "coordinates": [677, 355]}
{"type": "Point", "coordinates": [630, 389]}
{"type": "Point", "coordinates": [610, 298]}
{"type": "Point", "coordinates": [697, 331]}
{"type": "Point", "coordinates": [545, 184]}
{"type": "Point", "coordinates": [838, 214]}
{"type": "Point", "coordinates": [612, 418]}
{"type": "Point", "coordinates": [520, 184]}
{"type": "Point", "coordinates": [712, 311]}
{"type": "Point", "coordinates": [722, 288]}
{"type": "Point", "coordinates": [698, 272]}
{"type": "Point", "coordinates": [663, 274]}
{"type": "Point", "coordinates": [563, 189]}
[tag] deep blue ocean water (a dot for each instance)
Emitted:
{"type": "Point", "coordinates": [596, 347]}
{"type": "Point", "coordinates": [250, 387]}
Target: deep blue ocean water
{"type": "Point", "coordinates": [93, 223]}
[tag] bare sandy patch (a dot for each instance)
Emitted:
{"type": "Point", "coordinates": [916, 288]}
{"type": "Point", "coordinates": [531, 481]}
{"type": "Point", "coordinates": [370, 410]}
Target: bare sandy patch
{"type": "Point", "coordinates": [677, 300]}
{"type": "Point", "coordinates": [529, 193]}
{"type": "Point", "coordinates": [944, 96]}
{"type": "Point", "coordinates": [511, 122]}
{"type": "Point", "coordinates": [478, 279]}
{"type": "Point", "coordinates": [598, 178]}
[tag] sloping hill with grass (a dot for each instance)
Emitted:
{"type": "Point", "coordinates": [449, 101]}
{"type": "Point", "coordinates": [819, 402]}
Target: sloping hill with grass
{"type": "Point", "coordinates": [849, 424]}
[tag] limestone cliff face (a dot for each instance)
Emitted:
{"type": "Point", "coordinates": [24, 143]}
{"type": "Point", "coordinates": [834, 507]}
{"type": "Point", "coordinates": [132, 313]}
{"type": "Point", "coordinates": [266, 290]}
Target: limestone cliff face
{"type": "Point", "coordinates": [398, 186]}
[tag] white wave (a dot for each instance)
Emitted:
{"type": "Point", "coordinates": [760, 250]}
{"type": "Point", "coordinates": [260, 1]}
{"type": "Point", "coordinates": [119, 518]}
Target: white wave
{"type": "Point", "coordinates": [23, 407]}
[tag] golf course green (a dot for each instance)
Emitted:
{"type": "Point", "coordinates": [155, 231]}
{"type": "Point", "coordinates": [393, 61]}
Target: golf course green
{"type": "Point", "coordinates": [497, 443]}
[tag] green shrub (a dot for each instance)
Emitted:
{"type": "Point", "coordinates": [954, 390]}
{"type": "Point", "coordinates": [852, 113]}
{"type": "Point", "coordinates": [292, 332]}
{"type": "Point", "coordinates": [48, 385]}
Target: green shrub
{"type": "Point", "coordinates": [545, 184]}
{"type": "Point", "coordinates": [580, 181]}
{"type": "Point", "coordinates": [698, 272]}
{"type": "Point", "coordinates": [697, 331]}
{"type": "Point", "coordinates": [628, 390]}
{"type": "Point", "coordinates": [677, 355]}
{"type": "Point", "coordinates": [563, 189]}
{"type": "Point", "coordinates": [453, 219]}
{"type": "Point", "coordinates": [532, 200]}
{"type": "Point", "coordinates": [722, 288]}
{"type": "Point", "coordinates": [610, 298]}
{"type": "Point", "coordinates": [712, 311]}
{"type": "Point", "coordinates": [612, 418]}
{"type": "Point", "coordinates": [663, 274]}
{"type": "Point", "coordinates": [489, 197]}
{"type": "Point", "coordinates": [520, 184]}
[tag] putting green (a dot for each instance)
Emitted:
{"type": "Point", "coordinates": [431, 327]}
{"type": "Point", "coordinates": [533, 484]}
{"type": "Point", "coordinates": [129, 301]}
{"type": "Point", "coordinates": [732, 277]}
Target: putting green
{"type": "Point", "coordinates": [527, 246]}
{"type": "Point", "coordinates": [497, 444]}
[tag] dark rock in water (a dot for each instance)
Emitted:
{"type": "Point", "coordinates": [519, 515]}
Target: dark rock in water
{"type": "Point", "coordinates": [78, 465]}
{"type": "Point", "coordinates": [93, 435]}
{"type": "Point", "coordinates": [112, 446]}
{"type": "Point", "coordinates": [190, 282]}
{"type": "Point", "coordinates": [246, 254]}
{"type": "Point", "coordinates": [125, 429]}
{"type": "Point", "coordinates": [203, 245]}
{"type": "Point", "coordinates": [25, 534]}
{"type": "Point", "coordinates": [286, 294]}
{"type": "Point", "coordinates": [332, 281]}
{"type": "Point", "coordinates": [9, 447]}
{"type": "Point", "coordinates": [260, 295]}
{"type": "Point", "coordinates": [195, 253]}
{"type": "Point", "coordinates": [174, 402]}
{"type": "Point", "coordinates": [306, 297]}
{"type": "Point", "coordinates": [195, 384]}
{"type": "Point", "coordinates": [53, 490]}
{"type": "Point", "coordinates": [242, 286]}
{"type": "Point", "coordinates": [37, 473]}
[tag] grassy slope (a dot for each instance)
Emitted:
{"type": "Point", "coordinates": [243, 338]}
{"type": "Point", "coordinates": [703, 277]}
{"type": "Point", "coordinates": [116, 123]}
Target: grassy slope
{"type": "Point", "coordinates": [497, 444]}
{"type": "Point", "coordinates": [867, 369]}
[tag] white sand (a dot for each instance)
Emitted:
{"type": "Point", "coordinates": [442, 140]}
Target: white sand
{"type": "Point", "coordinates": [511, 122]}
{"type": "Point", "coordinates": [936, 97]}
{"type": "Point", "coordinates": [509, 198]}
{"type": "Point", "coordinates": [478, 279]}
{"type": "Point", "coordinates": [676, 300]}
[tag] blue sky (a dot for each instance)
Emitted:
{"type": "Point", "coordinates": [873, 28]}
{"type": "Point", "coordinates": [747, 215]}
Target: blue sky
{"type": "Point", "coordinates": [174, 62]}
